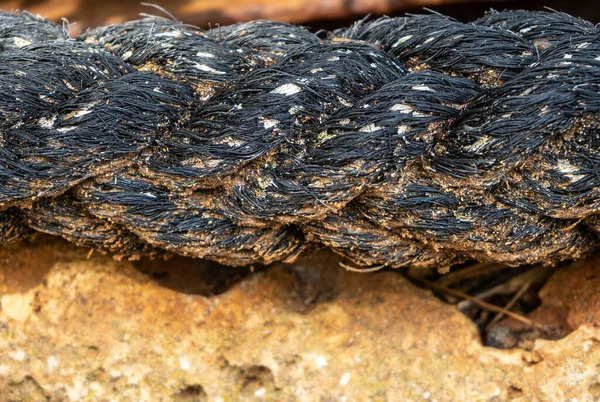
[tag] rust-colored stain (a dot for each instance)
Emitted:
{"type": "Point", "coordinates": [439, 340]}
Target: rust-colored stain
{"type": "Point", "coordinates": [203, 13]}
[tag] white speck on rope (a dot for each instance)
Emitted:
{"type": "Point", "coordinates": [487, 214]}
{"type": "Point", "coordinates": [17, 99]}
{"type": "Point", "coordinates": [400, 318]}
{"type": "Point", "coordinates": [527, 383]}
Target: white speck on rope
{"type": "Point", "coordinates": [81, 113]}
{"type": "Point", "coordinates": [269, 123]}
{"type": "Point", "coordinates": [170, 34]}
{"type": "Point", "coordinates": [204, 67]}
{"type": "Point", "coordinates": [47, 123]}
{"type": "Point", "coordinates": [66, 129]}
{"type": "Point", "coordinates": [20, 42]}
{"type": "Point", "coordinates": [402, 108]}
{"type": "Point", "coordinates": [402, 40]}
{"type": "Point", "coordinates": [422, 88]}
{"type": "Point", "coordinates": [370, 128]}
{"type": "Point", "coordinates": [287, 89]}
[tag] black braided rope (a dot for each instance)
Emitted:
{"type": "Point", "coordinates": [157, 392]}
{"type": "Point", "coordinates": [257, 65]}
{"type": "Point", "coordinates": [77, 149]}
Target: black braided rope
{"type": "Point", "coordinates": [402, 141]}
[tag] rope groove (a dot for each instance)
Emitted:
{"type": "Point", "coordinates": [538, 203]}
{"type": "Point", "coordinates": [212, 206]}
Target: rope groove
{"type": "Point", "coordinates": [416, 141]}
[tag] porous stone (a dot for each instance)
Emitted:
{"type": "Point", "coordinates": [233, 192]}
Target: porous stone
{"type": "Point", "coordinates": [88, 328]}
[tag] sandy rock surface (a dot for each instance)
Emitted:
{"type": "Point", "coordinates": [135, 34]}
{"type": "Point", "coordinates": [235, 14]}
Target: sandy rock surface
{"type": "Point", "coordinates": [81, 328]}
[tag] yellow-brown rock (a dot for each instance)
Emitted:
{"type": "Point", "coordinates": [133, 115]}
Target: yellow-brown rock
{"type": "Point", "coordinates": [93, 329]}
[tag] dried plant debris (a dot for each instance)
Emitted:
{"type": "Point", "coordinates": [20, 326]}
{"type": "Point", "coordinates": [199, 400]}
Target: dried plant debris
{"type": "Point", "coordinates": [504, 302]}
{"type": "Point", "coordinates": [414, 141]}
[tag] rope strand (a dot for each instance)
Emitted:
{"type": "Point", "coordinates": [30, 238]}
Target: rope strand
{"type": "Point", "coordinates": [415, 141]}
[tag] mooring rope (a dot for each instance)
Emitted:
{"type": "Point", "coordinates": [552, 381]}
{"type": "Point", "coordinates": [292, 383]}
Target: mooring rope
{"type": "Point", "coordinates": [417, 141]}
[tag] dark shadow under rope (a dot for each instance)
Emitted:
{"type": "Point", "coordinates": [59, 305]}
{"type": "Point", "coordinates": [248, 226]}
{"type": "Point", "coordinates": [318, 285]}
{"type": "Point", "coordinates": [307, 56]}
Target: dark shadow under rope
{"type": "Point", "coordinates": [415, 141]}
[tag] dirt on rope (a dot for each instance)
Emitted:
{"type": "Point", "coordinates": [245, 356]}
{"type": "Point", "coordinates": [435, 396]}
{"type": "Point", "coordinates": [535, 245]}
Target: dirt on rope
{"type": "Point", "coordinates": [418, 141]}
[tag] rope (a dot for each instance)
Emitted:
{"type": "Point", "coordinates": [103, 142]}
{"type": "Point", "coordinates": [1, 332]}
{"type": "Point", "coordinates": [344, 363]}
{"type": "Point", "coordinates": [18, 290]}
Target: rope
{"type": "Point", "coordinates": [416, 141]}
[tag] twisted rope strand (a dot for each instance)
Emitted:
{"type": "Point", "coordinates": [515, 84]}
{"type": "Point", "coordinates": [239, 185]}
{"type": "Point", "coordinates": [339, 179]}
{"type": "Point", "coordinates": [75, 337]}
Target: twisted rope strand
{"type": "Point", "coordinates": [416, 141]}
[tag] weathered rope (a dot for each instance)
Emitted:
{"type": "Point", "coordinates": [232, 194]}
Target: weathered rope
{"type": "Point", "coordinates": [403, 141]}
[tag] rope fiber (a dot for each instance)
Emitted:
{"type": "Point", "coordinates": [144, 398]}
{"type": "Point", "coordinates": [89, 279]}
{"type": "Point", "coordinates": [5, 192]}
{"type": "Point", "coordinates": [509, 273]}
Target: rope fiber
{"type": "Point", "coordinates": [413, 141]}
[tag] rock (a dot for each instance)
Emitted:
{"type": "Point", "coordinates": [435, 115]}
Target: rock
{"type": "Point", "coordinates": [574, 290]}
{"type": "Point", "coordinates": [569, 299]}
{"type": "Point", "coordinates": [94, 329]}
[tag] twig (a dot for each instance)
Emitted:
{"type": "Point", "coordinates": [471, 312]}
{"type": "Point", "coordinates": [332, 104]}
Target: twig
{"type": "Point", "coordinates": [362, 270]}
{"type": "Point", "coordinates": [510, 304]}
{"type": "Point", "coordinates": [480, 303]}
{"type": "Point", "coordinates": [510, 286]}
{"type": "Point", "coordinates": [470, 272]}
